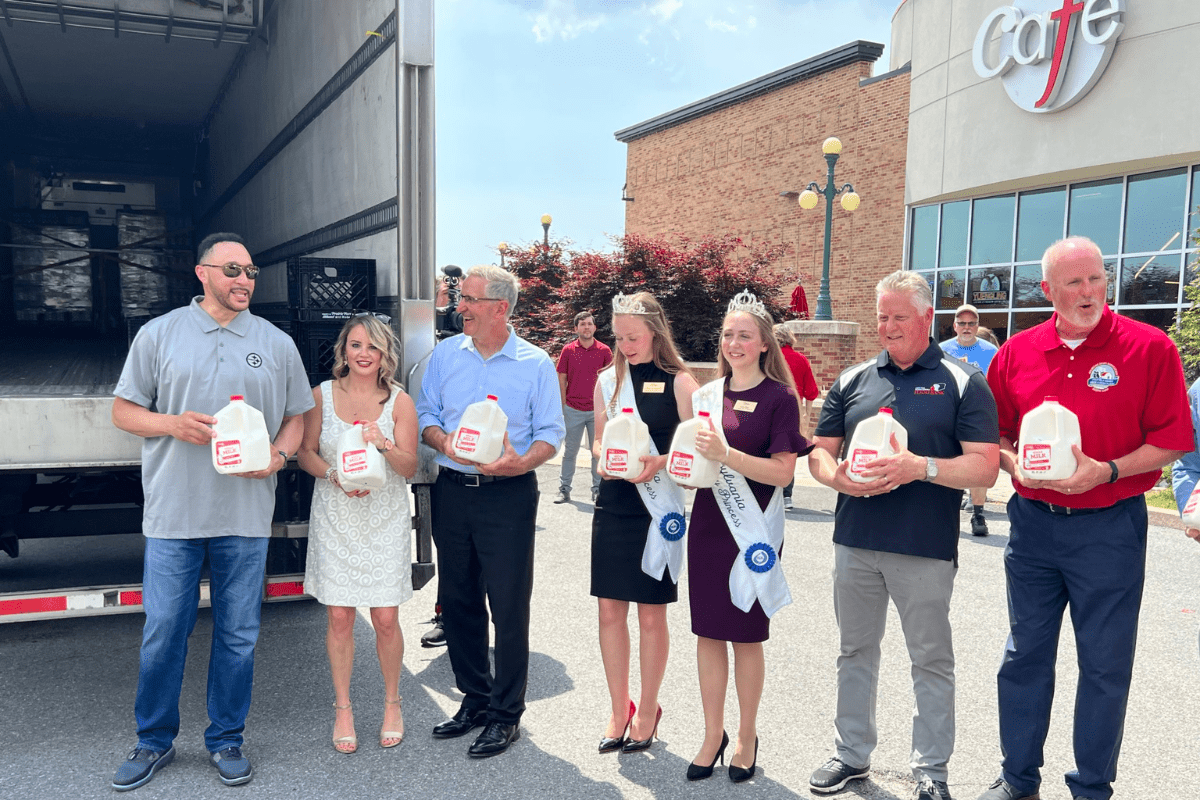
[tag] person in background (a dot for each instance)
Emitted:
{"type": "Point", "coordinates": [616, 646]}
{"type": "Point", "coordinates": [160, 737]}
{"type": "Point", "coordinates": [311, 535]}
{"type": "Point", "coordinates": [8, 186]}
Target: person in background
{"type": "Point", "coordinates": [172, 384]}
{"type": "Point", "coordinates": [578, 365]}
{"type": "Point", "coordinates": [806, 388]}
{"type": "Point", "coordinates": [650, 374]}
{"type": "Point", "coordinates": [735, 538]}
{"type": "Point", "coordinates": [358, 539]}
{"type": "Point", "coordinates": [485, 515]}
{"type": "Point", "coordinates": [1185, 473]}
{"type": "Point", "coordinates": [1080, 542]}
{"type": "Point", "coordinates": [986, 335]}
{"type": "Point", "coordinates": [967, 346]}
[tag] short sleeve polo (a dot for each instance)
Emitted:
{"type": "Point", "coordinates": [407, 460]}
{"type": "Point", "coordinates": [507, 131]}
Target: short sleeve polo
{"type": "Point", "coordinates": [941, 402]}
{"type": "Point", "coordinates": [185, 361]}
{"type": "Point", "coordinates": [1124, 381]}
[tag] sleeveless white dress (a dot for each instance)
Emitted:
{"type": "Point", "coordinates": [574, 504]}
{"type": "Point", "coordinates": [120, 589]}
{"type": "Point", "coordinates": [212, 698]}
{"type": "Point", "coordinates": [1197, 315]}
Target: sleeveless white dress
{"type": "Point", "coordinates": [359, 548]}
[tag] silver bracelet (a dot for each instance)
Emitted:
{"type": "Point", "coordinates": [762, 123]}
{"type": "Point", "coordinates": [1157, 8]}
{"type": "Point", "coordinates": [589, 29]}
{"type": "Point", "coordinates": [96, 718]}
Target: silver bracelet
{"type": "Point", "coordinates": [329, 473]}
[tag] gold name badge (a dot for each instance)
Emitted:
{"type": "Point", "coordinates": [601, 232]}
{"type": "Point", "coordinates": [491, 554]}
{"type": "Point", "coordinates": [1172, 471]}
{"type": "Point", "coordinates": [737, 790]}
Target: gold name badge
{"type": "Point", "coordinates": [745, 405]}
{"type": "Point", "coordinates": [654, 387]}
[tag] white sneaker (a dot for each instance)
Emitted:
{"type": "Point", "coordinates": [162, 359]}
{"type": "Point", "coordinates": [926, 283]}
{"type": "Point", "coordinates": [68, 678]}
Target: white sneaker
{"type": "Point", "coordinates": [787, 503]}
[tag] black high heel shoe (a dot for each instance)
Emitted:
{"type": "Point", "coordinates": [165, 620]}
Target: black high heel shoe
{"type": "Point", "coordinates": [637, 745]}
{"type": "Point", "coordinates": [738, 774]}
{"type": "Point", "coordinates": [611, 744]}
{"type": "Point", "coordinates": [695, 772]}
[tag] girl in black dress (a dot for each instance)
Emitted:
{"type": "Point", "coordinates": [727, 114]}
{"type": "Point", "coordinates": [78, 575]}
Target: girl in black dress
{"type": "Point", "coordinates": [645, 355]}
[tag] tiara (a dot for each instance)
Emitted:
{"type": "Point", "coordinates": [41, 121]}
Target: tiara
{"type": "Point", "coordinates": [625, 304]}
{"type": "Point", "coordinates": [747, 302]}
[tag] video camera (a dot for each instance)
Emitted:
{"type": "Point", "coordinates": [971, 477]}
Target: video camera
{"type": "Point", "coordinates": [449, 321]}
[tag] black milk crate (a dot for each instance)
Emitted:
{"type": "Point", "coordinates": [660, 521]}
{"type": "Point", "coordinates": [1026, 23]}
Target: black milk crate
{"type": "Point", "coordinates": [278, 314]}
{"type": "Point", "coordinates": [331, 284]}
{"type": "Point", "coordinates": [339, 315]}
{"type": "Point", "coordinates": [316, 341]}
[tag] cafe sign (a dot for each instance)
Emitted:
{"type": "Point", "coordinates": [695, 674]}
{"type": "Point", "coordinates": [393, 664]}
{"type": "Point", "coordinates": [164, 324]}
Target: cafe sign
{"type": "Point", "coordinates": [1048, 54]}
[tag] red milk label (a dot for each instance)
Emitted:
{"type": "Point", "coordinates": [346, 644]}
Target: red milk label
{"type": "Point", "coordinates": [467, 440]}
{"type": "Point", "coordinates": [681, 465]}
{"type": "Point", "coordinates": [616, 460]}
{"type": "Point", "coordinates": [229, 453]}
{"type": "Point", "coordinates": [860, 458]}
{"type": "Point", "coordinates": [354, 461]}
{"type": "Point", "coordinates": [1035, 458]}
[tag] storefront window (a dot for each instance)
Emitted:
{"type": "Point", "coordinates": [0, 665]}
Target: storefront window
{"type": "Point", "coordinates": [923, 242]}
{"type": "Point", "coordinates": [928, 276]}
{"type": "Point", "coordinates": [1154, 213]}
{"type": "Point", "coordinates": [950, 288]}
{"type": "Point", "coordinates": [1147, 280]}
{"type": "Point", "coordinates": [988, 287]}
{"type": "Point", "coordinates": [1161, 318]}
{"type": "Point", "coordinates": [1193, 213]}
{"type": "Point", "coordinates": [1027, 287]}
{"type": "Point", "coordinates": [1096, 213]}
{"type": "Point", "coordinates": [943, 327]}
{"type": "Point", "coordinates": [954, 234]}
{"type": "Point", "coordinates": [992, 230]}
{"type": "Point", "coordinates": [1040, 222]}
{"type": "Point", "coordinates": [1027, 319]}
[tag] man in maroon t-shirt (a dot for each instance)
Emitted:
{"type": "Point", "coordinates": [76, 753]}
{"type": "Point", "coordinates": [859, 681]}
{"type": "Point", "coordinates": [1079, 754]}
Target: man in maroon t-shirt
{"type": "Point", "coordinates": [578, 366]}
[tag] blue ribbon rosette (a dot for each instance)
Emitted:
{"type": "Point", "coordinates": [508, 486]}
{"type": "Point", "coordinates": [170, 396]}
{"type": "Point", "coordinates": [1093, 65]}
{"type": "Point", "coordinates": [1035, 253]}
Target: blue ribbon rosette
{"type": "Point", "coordinates": [672, 527]}
{"type": "Point", "coordinates": [760, 557]}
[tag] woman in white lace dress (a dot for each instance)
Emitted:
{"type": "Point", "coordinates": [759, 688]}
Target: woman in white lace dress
{"type": "Point", "coordinates": [358, 541]}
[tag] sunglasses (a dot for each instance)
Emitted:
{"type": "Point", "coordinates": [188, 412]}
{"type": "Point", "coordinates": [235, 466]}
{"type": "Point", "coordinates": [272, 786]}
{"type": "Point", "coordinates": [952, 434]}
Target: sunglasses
{"type": "Point", "coordinates": [384, 318]}
{"type": "Point", "coordinates": [233, 270]}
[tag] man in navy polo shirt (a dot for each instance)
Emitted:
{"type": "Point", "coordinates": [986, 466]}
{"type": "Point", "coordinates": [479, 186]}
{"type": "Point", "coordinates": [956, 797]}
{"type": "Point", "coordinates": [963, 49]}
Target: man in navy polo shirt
{"type": "Point", "coordinates": [897, 536]}
{"type": "Point", "coordinates": [1080, 542]}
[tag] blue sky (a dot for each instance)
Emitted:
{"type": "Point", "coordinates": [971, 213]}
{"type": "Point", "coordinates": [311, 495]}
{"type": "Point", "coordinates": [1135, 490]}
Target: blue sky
{"type": "Point", "coordinates": [529, 93]}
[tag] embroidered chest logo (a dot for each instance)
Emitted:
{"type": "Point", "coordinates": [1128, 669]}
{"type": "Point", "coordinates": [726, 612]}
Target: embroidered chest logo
{"type": "Point", "coordinates": [254, 360]}
{"type": "Point", "coordinates": [937, 388]}
{"type": "Point", "coordinates": [1103, 377]}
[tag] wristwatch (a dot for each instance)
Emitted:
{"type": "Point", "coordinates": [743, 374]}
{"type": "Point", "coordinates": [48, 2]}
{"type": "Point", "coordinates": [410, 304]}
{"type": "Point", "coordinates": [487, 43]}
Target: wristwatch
{"type": "Point", "coordinates": [931, 470]}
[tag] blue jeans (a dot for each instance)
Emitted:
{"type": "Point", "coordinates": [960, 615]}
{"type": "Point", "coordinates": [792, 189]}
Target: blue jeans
{"type": "Point", "coordinates": [171, 594]}
{"type": "Point", "coordinates": [1094, 565]}
{"type": "Point", "coordinates": [577, 422]}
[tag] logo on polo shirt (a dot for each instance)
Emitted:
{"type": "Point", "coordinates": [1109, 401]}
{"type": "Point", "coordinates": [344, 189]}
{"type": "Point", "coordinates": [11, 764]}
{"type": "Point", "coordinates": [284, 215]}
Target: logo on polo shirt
{"type": "Point", "coordinates": [254, 360]}
{"type": "Point", "coordinates": [937, 388]}
{"type": "Point", "coordinates": [1104, 377]}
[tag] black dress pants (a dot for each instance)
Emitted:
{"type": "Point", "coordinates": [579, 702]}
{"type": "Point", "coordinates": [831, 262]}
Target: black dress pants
{"type": "Point", "coordinates": [484, 536]}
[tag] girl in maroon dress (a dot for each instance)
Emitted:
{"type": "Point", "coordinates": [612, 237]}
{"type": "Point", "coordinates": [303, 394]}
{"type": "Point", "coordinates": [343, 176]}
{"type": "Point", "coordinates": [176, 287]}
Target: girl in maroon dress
{"type": "Point", "coordinates": [761, 423]}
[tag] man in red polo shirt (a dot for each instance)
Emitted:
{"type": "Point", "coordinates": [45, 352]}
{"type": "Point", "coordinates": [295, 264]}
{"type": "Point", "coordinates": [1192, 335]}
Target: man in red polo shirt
{"type": "Point", "coordinates": [1080, 542]}
{"type": "Point", "coordinates": [578, 365]}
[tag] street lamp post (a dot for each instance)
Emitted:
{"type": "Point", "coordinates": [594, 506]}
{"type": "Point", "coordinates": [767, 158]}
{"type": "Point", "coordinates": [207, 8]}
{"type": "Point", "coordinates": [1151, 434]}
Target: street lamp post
{"type": "Point", "coordinates": [546, 220]}
{"type": "Point", "coordinates": [503, 248]}
{"type": "Point", "coordinates": [808, 200]}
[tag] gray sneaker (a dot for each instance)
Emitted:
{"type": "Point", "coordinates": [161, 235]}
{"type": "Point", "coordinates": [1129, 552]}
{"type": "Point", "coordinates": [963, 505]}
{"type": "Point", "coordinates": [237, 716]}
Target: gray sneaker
{"type": "Point", "coordinates": [139, 768]}
{"type": "Point", "coordinates": [232, 765]}
{"type": "Point", "coordinates": [834, 774]}
{"type": "Point", "coordinates": [564, 496]}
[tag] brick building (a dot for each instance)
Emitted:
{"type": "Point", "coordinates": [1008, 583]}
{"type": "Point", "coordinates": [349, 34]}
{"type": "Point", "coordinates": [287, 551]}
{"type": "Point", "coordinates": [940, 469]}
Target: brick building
{"type": "Point", "coordinates": [718, 166]}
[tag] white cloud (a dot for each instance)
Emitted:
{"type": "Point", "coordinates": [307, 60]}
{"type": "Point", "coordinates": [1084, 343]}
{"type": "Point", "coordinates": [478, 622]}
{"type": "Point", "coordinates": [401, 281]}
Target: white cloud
{"type": "Point", "coordinates": [721, 26]}
{"type": "Point", "coordinates": [663, 10]}
{"type": "Point", "coordinates": [562, 19]}
{"type": "Point", "coordinates": [751, 23]}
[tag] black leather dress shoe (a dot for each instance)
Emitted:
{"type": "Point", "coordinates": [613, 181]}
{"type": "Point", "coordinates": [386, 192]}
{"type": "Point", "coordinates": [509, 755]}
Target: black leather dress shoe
{"type": "Point", "coordinates": [494, 740]}
{"type": "Point", "coordinates": [461, 723]}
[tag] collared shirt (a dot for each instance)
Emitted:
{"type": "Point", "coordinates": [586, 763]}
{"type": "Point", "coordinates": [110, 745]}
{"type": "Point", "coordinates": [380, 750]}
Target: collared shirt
{"type": "Point", "coordinates": [1186, 471]}
{"type": "Point", "coordinates": [581, 365]}
{"type": "Point", "coordinates": [978, 355]}
{"type": "Point", "coordinates": [520, 375]}
{"type": "Point", "coordinates": [941, 403]}
{"type": "Point", "coordinates": [806, 384]}
{"type": "Point", "coordinates": [1124, 382]}
{"type": "Point", "coordinates": [185, 361]}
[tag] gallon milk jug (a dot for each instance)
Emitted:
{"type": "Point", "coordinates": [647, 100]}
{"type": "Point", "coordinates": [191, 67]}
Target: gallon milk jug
{"type": "Point", "coordinates": [359, 465]}
{"type": "Point", "coordinates": [873, 439]}
{"type": "Point", "coordinates": [1191, 509]}
{"type": "Point", "coordinates": [626, 441]}
{"type": "Point", "coordinates": [479, 436]}
{"type": "Point", "coordinates": [685, 464]}
{"type": "Point", "coordinates": [1044, 447]}
{"type": "Point", "coordinates": [242, 443]}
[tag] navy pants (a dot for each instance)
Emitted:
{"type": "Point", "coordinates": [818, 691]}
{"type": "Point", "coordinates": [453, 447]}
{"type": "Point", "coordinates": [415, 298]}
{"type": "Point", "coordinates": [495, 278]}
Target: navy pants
{"type": "Point", "coordinates": [1094, 564]}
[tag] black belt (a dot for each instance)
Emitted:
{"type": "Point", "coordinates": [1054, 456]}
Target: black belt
{"type": "Point", "coordinates": [1066, 511]}
{"type": "Point", "coordinates": [473, 480]}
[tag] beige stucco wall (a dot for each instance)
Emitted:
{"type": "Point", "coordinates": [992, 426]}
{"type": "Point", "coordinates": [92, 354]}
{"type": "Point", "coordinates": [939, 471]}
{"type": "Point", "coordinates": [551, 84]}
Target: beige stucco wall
{"type": "Point", "coordinates": [967, 138]}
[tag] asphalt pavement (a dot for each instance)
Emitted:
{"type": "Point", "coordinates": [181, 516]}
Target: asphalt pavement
{"type": "Point", "coordinates": [67, 689]}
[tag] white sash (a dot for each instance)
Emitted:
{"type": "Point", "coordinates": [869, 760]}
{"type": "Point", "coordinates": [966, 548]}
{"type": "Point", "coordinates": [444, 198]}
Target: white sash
{"type": "Point", "coordinates": [756, 573]}
{"type": "Point", "coordinates": [663, 498]}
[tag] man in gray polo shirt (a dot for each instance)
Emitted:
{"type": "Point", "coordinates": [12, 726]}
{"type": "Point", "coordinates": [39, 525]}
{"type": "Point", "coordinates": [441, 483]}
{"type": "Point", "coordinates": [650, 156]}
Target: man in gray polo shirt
{"type": "Point", "coordinates": [182, 368]}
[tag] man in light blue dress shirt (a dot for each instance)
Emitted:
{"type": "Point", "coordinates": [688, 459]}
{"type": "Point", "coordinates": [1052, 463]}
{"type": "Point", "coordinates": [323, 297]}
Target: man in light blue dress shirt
{"type": "Point", "coordinates": [484, 515]}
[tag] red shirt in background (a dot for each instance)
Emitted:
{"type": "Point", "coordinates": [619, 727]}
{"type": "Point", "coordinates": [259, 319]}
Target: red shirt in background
{"type": "Point", "coordinates": [806, 384]}
{"type": "Point", "coordinates": [581, 365]}
{"type": "Point", "coordinates": [1124, 382]}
